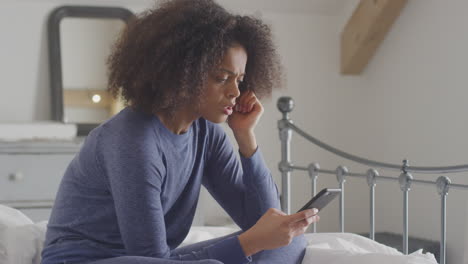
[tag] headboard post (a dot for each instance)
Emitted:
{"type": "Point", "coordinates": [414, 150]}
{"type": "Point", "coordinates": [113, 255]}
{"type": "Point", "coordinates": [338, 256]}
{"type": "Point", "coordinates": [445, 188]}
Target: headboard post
{"type": "Point", "coordinates": [405, 181]}
{"type": "Point", "coordinates": [372, 175]}
{"type": "Point", "coordinates": [443, 185]}
{"type": "Point", "coordinates": [341, 173]}
{"type": "Point", "coordinates": [285, 105]}
{"type": "Point", "coordinates": [313, 170]}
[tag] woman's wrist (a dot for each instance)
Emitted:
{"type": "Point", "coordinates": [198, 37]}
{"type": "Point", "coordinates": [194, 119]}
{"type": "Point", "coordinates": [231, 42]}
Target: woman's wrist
{"type": "Point", "coordinates": [248, 244]}
{"type": "Point", "coordinates": [247, 142]}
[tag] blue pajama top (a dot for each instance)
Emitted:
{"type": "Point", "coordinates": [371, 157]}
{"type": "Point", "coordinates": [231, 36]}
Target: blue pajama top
{"type": "Point", "coordinates": [133, 188]}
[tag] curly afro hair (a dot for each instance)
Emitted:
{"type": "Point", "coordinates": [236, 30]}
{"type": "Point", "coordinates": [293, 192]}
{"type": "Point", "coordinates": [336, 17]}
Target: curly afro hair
{"type": "Point", "coordinates": [165, 54]}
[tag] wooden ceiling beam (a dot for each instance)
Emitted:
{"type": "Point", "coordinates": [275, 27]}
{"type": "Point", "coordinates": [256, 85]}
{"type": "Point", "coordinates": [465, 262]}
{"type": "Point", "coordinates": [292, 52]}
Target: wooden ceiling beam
{"type": "Point", "coordinates": [365, 31]}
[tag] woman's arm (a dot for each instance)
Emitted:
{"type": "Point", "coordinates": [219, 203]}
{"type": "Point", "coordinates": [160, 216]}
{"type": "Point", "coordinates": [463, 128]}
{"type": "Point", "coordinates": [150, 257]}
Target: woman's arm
{"type": "Point", "coordinates": [245, 190]}
{"type": "Point", "coordinates": [249, 196]}
{"type": "Point", "coordinates": [255, 192]}
{"type": "Point", "coordinates": [248, 111]}
{"type": "Point", "coordinates": [247, 143]}
{"type": "Point", "coordinates": [135, 177]}
{"type": "Point", "coordinates": [276, 229]}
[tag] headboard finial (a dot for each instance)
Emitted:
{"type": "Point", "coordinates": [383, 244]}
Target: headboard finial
{"type": "Point", "coordinates": [372, 175]}
{"type": "Point", "coordinates": [443, 185]}
{"type": "Point", "coordinates": [285, 105]}
{"type": "Point", "coordinates": [404, 167]}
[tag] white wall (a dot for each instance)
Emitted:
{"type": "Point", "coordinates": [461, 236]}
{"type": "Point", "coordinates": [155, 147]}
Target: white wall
{"type": "Point", "coordinates": [410, 102]}
{"type": "Point", "coordinates": [24, 68]}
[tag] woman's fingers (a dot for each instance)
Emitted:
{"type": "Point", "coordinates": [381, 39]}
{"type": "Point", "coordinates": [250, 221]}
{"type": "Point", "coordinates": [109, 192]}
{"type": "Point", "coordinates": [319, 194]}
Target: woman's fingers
{"type": "Point", "coordinates": [246, 102]}
{"type": "Point", "coordinates": [305, 222]}
{"type": "Point", "coordinates": [251, 103]}
{"type": "Point", "coordinates": [299, 216]}
{"type": "Point", "coordinates": [299, 228]}
{"type": "Point", "coordinates": [276, 229]}
{"type": "Point", "coordinates": [299, 222]}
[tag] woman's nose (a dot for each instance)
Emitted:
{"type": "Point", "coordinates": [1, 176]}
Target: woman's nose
{"type": "Point", "coordinates": [234, 90]}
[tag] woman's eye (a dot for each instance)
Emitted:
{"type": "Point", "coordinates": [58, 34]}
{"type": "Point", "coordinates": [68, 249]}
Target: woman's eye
{"type": "Point", "coordinates": [221, 80]}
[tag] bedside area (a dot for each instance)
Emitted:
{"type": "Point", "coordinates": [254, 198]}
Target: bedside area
{"type": "Point", "coordinates": [33, 159]}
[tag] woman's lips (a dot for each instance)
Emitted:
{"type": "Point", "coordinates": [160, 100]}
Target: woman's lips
{"type": "Point", "coordinates": [228, 110]}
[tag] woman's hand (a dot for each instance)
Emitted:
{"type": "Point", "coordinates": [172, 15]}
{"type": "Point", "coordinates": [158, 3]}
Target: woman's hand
{"type": "Point", "coordinates": [243, 120]}
{"type": "Point", "coordinates": [276, 229]}
{"type": "Point", "coordinates": [247, 112]}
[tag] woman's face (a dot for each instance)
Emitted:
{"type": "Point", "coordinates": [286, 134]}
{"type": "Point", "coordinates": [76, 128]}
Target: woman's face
{"type": "Point", "coordinates": [222, 86]}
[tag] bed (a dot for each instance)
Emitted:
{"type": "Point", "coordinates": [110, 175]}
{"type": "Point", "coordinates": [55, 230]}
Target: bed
{"type": "Point", "coordinates": [21, 242]}
{"type": "Point", "coordinates": [21, 239]}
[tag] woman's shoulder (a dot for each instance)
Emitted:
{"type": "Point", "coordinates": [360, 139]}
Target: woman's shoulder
{"type": "Point", "coordinates": [128, 127]}
{"type": "Point", "coordinates": [129, 121]}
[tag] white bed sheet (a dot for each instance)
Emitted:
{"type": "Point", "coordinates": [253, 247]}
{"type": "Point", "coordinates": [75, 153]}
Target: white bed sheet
{"type": "Point", "coordinates": [21, 243]}
{"type": "Point", "coordinates": [341, 248]}
{"type": "Point", "coordinates": [332, 248]}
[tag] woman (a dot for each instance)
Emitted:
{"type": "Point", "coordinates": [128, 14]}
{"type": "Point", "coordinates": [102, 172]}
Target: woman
{"type": "Point", "coordinates": [129, 196]}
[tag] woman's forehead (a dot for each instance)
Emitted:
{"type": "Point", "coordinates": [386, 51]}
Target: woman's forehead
{"type": "Point", "coordinates": [230, 72]}
{"type": "Point", "coordinates": [234, 60]}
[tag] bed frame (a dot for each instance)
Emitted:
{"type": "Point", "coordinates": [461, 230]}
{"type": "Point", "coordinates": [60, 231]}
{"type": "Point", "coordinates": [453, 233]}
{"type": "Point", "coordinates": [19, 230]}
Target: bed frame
{"type": "Point", "coordinates": [443, 183]}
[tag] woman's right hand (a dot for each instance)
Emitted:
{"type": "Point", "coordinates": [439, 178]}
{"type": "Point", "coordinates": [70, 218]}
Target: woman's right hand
{"type": "Point", "coordinates": [276, 229]}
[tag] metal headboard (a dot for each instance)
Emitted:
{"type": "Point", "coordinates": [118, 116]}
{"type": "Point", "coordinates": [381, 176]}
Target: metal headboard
{"type": "Point", "coordinates": [443, 183]}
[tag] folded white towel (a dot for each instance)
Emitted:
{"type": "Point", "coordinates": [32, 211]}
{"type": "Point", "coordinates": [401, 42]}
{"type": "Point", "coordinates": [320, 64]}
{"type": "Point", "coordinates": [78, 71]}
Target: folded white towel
{"type": "Point", "coordinates": [41, 130]}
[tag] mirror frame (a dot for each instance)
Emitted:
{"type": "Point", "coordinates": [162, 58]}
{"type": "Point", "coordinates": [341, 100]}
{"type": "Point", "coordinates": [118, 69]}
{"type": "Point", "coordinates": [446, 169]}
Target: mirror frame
{"type": "Point", "coordinates": [55, 58]}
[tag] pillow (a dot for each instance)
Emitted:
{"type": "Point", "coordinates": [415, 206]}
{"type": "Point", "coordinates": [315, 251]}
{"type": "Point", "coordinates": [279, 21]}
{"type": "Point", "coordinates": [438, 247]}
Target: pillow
{"type": "Point", "coordinates": [21, 240]}
{"type": "Point", "coordinates": [12, 217]}
{"type": "Point", "coordinates": [341, 248]}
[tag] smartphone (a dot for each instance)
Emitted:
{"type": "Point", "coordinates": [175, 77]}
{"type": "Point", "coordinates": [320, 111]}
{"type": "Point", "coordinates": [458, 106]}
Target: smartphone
{"type": "Point", "coordinates": [321, 200]}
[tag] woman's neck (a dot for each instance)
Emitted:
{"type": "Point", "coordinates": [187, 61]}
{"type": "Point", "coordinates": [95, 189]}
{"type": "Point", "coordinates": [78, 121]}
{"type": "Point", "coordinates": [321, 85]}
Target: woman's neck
{"type": "Point", "coordinates": [179, 122]}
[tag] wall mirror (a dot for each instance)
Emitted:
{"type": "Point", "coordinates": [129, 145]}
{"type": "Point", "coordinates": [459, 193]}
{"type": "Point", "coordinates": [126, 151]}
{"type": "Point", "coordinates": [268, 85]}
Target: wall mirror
{"type": "Point", "coordinates": [80, 40]}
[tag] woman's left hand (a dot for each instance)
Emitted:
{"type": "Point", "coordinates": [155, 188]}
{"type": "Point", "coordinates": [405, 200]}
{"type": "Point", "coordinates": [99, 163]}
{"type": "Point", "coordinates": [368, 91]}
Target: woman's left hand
{"type": "Point", "coordinates": [246, 114]}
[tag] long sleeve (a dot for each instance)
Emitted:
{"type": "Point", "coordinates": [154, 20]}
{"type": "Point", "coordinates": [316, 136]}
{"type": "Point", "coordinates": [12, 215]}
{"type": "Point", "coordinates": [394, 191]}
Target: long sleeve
{"type": "Point", "coordinates": [244, 189]}
{"type": "Point", "coordinates": [135, 180]}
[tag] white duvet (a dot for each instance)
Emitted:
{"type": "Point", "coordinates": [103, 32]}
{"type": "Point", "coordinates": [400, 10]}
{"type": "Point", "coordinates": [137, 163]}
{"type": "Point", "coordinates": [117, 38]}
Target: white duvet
{"type": "Point", "coordinates": [338, 248]}
{"type": "Point", "coordinates": [21, 243]}
{"type": "Point", "coordinates": [332, 248]}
